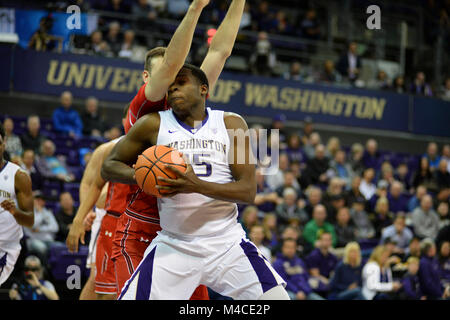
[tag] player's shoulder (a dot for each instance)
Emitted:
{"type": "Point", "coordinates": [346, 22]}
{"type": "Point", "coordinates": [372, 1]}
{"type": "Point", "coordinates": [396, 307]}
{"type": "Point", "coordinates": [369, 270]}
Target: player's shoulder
{"type": "Point", "coordinates": [149, 121]}
{"type": "Point", "coordinates": [233, 120]}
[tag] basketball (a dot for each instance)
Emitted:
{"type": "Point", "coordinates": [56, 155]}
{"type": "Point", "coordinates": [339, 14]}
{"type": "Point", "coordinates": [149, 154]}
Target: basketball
{"type": "Point", "coordinates": [151, 164]}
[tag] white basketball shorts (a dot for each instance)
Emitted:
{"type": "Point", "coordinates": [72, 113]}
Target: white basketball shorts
{"type": "Point", "coordinates": [9, 252]}
{"type": "Point", "coordinates": [95, 229]}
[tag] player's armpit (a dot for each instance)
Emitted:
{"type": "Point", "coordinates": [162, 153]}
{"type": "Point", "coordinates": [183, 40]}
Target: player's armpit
{"type": "Point", "coordinates": [118, 165]}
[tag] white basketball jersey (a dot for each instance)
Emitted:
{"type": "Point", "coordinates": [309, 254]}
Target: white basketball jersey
{"type": "Point", "coordinates": [207, 147]}
{"type": "Point", "coordinates": [10, 230]}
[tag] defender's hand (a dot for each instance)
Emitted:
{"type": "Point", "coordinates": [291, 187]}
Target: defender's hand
{"type": "Point", "coordinates": [76, 234]}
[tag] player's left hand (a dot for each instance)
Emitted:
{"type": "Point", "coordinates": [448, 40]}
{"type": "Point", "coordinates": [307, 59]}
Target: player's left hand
{"type": "Point", "coordinates": [186, 182]}
{"type": "Point", "coordinates": [9, 205]}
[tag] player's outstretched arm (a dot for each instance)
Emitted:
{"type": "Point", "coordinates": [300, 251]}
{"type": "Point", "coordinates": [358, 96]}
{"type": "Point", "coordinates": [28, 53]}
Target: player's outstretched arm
{"type": "Point", "coordinates": [177, 50]}
{"type": "Point", "coordinates": [242, 189]}
{"type": "Point", "coordinates": [117, 166]}
{"type": "Point", "coordinates": [90, 189]}
{"type": "Point", "coordinates": [23, 213]}
{"type": "Point", "coordinates": [222, 43]}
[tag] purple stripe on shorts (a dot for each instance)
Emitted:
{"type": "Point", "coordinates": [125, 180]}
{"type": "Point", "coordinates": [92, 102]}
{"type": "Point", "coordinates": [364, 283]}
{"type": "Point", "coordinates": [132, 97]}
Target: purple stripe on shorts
{"type": "Point", "coordinates": [144, 284]}
{"type": "Point", "coordinates": [265, 276]}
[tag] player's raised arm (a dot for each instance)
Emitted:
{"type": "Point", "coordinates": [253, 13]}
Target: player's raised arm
{"type": "Point", "coordinates": [117, 166]}
{"type": "Point", "coordinates": [176, 53]}
{"type": "Point", "coordinates": [23, 213]}
{"type": "Point", "coordinates": [222, 43]}
{"type": "Point", "coordinates": [242, 189]}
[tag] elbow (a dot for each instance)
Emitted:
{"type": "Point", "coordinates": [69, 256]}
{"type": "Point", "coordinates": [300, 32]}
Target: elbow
{"type": "Point", "coordinates": [222, 53]}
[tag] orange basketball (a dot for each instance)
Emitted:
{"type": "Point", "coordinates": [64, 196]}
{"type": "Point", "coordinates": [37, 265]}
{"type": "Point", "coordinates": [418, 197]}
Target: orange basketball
{"type": "Point", "coordinates": [151, 164]}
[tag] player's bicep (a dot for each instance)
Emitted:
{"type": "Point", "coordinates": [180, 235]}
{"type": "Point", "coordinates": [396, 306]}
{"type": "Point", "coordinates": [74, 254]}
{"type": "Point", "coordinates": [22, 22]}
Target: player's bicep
{"type": "Point", "coordinates": [24, 192]}
{"type": "Point", "coordinates": [212, 66]}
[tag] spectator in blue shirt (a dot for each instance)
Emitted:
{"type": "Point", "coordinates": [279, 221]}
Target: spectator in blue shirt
{"type": "Point", "coordinates": [398, 233]}
{"type": "Point", "coordinates": [414, 201]}
{"type": "Point", "coordinates": [321, 263]}
{"type": "Point", "coordinates": [65, 119]}
{"type": "Point", "coordinates": [293, 270]}
{"type": "Point", "coordinates": [429, 275]}
{"type": "Point", "coordinates": [346, 282]}
{"type": "Point", "coordinates": [411, 282]}
{"type": "Point", "coordinates": [432, 155]}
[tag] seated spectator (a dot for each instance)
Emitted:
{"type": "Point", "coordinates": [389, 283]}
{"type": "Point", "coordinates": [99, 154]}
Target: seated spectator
{"type": "Point", "coordinates": [130, 49]}
{"type": "Point", "coordinates": [293, 270]}
{"type": "Point", "coordinates": [377, 276]}
{"type": "Point", "coordinates": [113, 133]}
{"type": "Point", "coordinates": [295, 72]}
{"type": "Point", "coordinates": [425, 220]}
{"type": "Point", "coordinates": [429, 275]}
{"type": "Point", "coordinates": [321, 264]}
{"type": "Point", "coordinates": [276, 180]}
{"type": "Point", "coordinates": [65, 119]}
{"type": "Point", "coordinates": [310, 146]}
{"type": "Point", "coordinates": [41, 236]}
{"type": "Point", "coordinates": [380, 192]}
{"type": "Point", "coordinates": [51, 166]}
{"type": "Point", "coordinates": [413, 248]}
{"type": "Point", "coordinates": [346, 282]}
{"type": "Point", "coordinates": [402, 175]}
{"type": "Point", "coordinates": [13, 145]}
{"type": "Point", "coordinates": [382, 216]}
{"type": "Point", "coordinates": [356, 155]}
{"type": "Point", "coordinates": [419, 86]}
{"type": "Point", "coordinates": [34, 287]}
{"type": "Point", "coordinates": [288, 212]}
{"type": "Point", "coordinates": [333, 146]}
{"type": "Point", "coordinates": [294, 150]}
{"type": "Point", "coordinates": [263, 59]}
{"type": "Point", "coordinates": [33, 139]}
{"type": "Point", "coordinates": [399, 85]}
{"type": "Point", "coordinates": [367, 186]}
{"type": "Point", "coordinates": [337, 202]}
{"type": "Point", "coordinates": [361, 220]}
{"type": "Point", "coordinates": [93, 123]}
{"type": "Point", "coordinates": [349, 64]}
{"type": "Point", "coordinates": [310, 25]}
{"type": "Point", "coordinates": [281, 25]}
{"type": "Point", "coordinates": [144, 14]}
{"type": "Point", "coordinates": [98, 46]}
{"type": "Point", "coordinates": [177, 8]}
{"type": "Point", "coordinates": [432, 155]}
{"type": "Point", "coordinates": [270, 227]}
{"type": "Point", "coordinates": [318, 225]}
{"type": "Point", "coordinates": [314, 195]}
{"type": "Point", "coordinates": [381, 82]}
{"type": "Point", "coordinates": [354, 192]}
{"type": "Point", "coordinates": [256, 235]}
{"type": "Point", "coordinates": [442, 178]}
{"type": "Point", "coordinates": [410, 282]}
{"type": "Point", "coordinates": [371, 157]}
{"type": "Point", "coordinates": [65, 216]}
{"type": "Point", "coordinates": [249, 218]}
{"type": "Point", "coordinates": [292, 232]}
{"type": "Point", "coordinates": [444, 262]}
{"type": "Point", "coordinates": [266, 199]}
{"type": "Point", "coordinates": [335, 188]}
{"type": "Point", "coordinates": [113, 38]}
{"type": "Point", "coordinates": [414, 201]}
{"type": "Point", "coordinates": [341, 168]}
{"type": "Point", "coordinates": [316, 168]}
{"type": "Point", "coordinates": [29, 165]}
{"type": "Point", "coordinates": [345, 231]}
{"type": "Point", "coordinates": [308, 129]}
{"type": "Point", "coordinates": [42, 40]}
{"type": "Point", "coordinates": [289, 181]}
{"type": "Point", "coordinates": [328, 74]}
{"type": "Point", "coordinates": [399, 234]}
{"type": "Point", "coordinates": [443, 211]}
{"type": "Point", "coordinates": [424, 176]}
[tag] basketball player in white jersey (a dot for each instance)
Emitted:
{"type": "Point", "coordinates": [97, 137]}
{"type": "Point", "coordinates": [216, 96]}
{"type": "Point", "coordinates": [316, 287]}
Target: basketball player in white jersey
{"type": "Point", "coordinates": [16, 210]}
{"type": "Point", "coordinates": [201, 241]}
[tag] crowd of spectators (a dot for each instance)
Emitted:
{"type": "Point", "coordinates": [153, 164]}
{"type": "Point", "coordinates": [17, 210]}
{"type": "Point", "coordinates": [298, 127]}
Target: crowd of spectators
{"type": "Point", "coordinates": [350, 223]}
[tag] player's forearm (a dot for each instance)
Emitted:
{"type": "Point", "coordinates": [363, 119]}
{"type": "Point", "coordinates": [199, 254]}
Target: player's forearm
{"type": "Point", "coordinates": [223, 40]}
{"type": "Point", "coordinates": [116, 171]}
{"type": "Point", "coordinates": [24, 218]}
{"type": "Point", "coordinates": [88, 202]}
{"type": "Point", "coordinates": [180, 44]}
{"type": "Point", "coordinates": [239, 191]}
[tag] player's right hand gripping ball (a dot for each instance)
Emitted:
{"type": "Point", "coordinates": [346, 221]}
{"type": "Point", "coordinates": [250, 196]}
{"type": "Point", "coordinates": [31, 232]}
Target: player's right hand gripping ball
{"type": "Point", "coordinates": [152, 163]}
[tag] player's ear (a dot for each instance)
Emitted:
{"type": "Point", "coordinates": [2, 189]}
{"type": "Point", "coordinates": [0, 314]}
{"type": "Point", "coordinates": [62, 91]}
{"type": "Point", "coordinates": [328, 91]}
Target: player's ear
{"type": "Point", "coordinates": [145, 75]}
{"type": "Point", "coordinates": [204, 89]}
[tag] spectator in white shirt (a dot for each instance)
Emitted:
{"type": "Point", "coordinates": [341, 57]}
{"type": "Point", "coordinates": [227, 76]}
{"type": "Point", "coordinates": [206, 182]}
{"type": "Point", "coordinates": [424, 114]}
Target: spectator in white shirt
{"type": "Point", "coordinates": [367, 187]}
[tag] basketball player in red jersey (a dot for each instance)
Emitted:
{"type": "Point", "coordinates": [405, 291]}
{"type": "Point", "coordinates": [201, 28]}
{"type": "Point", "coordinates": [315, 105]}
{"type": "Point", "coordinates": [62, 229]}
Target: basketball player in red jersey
{"type": "Point", "coordinates": [114, 205]}
{"type": "Point", "coordinates": [138, 226]}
